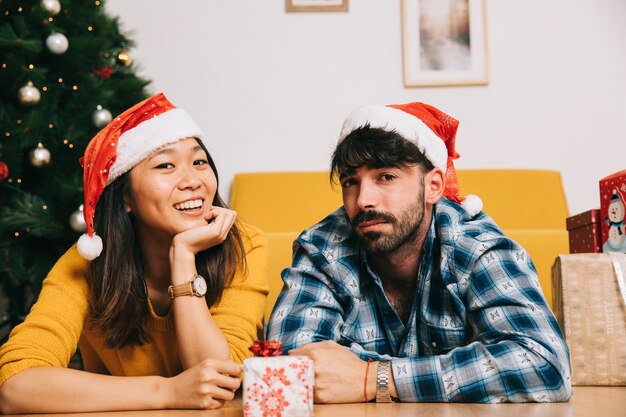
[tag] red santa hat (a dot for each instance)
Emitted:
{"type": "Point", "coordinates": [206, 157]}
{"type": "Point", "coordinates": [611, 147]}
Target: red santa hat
{"type": "Point", "coordinates": [430, 129]}
{"type": "Point", "coordinates": [126, 141]}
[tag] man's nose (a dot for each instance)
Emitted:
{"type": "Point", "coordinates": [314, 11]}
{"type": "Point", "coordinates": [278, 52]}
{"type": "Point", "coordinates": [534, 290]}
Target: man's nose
{"type": "Point", "coordinates": [368, 196]}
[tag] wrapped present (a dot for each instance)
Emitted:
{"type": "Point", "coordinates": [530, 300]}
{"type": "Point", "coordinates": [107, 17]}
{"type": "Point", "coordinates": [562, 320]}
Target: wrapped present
{"type": "Point", "coordinates": [585, 235]}
{"type": "Point", "coordinates": [590, 304]}
{"type": "Point", "coordinates": [612, 203]}
{"type": "Point", "coordinates": [277, 386]}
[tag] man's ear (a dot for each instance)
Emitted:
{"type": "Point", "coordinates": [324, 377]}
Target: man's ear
{"type": "Point", "coordinates": [434, 184]}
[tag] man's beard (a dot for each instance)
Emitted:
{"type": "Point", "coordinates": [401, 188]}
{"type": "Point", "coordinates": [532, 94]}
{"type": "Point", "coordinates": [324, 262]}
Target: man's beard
{"type": "Point", "coordinates": [404, 228]}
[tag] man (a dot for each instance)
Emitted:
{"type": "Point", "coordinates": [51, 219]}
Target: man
{"type": "Point", "coordinates": [415, 278]}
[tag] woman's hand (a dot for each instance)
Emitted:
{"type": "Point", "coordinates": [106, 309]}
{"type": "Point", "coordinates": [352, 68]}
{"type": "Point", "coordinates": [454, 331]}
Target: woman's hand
{"type": "Point", "coordinates": [206, 385]}
{"type": "Point", "coordinates": [220, 221]}
{"type": "Point", "coordinates": [192, 316]}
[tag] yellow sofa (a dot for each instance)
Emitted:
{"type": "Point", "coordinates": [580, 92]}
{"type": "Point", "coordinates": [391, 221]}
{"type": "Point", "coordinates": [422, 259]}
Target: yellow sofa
{"type": "Point", "coordinates": [529, 206]}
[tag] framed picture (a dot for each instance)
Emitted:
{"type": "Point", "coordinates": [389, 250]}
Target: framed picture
{"type": "Point", "coordinates": [316, 5]}
{"type": "Point", "coordinates": [444, 42]}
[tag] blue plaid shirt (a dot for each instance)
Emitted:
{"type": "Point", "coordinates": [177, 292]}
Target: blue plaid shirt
{"type": "Point", "coordinates": [479, 330]}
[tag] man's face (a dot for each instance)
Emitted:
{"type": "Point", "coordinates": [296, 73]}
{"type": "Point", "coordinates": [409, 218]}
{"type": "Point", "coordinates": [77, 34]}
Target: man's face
{"type": "Point", "coordinates": [385, 206]}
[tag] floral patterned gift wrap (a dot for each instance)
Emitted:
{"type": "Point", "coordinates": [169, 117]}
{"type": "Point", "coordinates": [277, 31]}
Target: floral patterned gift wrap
{"type": "Point", "coordinates": [277, 386]}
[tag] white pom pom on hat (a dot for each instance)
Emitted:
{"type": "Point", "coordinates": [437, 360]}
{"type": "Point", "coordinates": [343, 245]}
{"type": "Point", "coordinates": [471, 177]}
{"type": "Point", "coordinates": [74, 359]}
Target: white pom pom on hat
{"type": "Point", "coordinates": [126, 141]}
{"type": "Point", "coordinates": [430, 129]}
{"type": "Point", "coordinates": [89, 247]}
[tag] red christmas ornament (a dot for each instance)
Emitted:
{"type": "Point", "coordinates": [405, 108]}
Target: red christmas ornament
{"type": "Point", "coordinates": [4, 171]}
{"type": "Point", "coordinates": [266, 348]}
{"type": "Point", "coordinates": [104, 72]}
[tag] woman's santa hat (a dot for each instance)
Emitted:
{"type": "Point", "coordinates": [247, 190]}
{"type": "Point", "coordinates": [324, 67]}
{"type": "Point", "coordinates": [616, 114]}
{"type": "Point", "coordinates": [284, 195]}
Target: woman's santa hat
{"type": "Point", "coordinates": [430, 129]}
{"type": "Point", "coordinates": [126, 141]}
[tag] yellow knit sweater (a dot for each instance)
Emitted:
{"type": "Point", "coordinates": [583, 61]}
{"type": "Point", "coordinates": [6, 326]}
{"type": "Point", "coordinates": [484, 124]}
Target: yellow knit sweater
{"type": "Point", "coordinates": [55, 325]}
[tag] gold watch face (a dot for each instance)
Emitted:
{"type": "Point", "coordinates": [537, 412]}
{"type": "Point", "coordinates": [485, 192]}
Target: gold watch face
{"type": "Point", "coordinates": [199, 285]}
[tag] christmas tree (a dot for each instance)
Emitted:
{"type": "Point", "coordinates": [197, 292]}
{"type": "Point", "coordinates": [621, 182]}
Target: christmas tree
{"type": "Point", "coordinates": [65, 69]}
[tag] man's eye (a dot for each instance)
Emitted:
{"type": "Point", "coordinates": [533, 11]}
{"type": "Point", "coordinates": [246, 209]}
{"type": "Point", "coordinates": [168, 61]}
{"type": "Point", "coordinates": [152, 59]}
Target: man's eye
{"type": "Point", "coordinates": [387, 177]}
{"type": "Point", "coordinates": [347, 183]}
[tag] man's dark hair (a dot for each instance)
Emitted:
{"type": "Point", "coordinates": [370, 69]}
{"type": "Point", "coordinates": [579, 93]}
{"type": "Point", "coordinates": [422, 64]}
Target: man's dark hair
{"type": "Point", "coordinates": [375, 148]}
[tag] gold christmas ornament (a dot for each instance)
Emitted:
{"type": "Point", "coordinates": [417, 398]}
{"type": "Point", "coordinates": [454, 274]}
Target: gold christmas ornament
{"type": "Point", "coordinates": [28, 95]}
{"type": "Point", "coordinates": [124, 58]}
{"type": "Point", "coordinates": [39, 156]}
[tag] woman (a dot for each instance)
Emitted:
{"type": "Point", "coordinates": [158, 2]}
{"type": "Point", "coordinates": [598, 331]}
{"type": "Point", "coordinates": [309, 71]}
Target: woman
{"type": "Point", "coordinates": [173, 296]}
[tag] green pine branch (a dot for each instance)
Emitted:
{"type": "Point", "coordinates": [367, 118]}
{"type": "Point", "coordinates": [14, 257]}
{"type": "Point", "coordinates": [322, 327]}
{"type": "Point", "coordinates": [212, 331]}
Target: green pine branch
{"type": "Point", "coordinates": [29, 215]}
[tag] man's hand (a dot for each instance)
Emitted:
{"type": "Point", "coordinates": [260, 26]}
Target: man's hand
{"type": "Point", "coordinates": [339, 373]}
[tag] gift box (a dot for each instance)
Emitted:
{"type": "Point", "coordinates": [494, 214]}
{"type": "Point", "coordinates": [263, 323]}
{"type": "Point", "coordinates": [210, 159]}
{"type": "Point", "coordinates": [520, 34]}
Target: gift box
{"type": "Point", "coordinates": [589, 303]}
{"type": "Point", "coordinates": [278, 386]}
{"type": "Point", "coordinates": [612, 202]}
{"type": "Point", "coordinates": [584, 231]}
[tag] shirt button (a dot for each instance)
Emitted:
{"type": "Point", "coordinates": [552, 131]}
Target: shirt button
{"type": "Point", "coordinates": [434, 344]}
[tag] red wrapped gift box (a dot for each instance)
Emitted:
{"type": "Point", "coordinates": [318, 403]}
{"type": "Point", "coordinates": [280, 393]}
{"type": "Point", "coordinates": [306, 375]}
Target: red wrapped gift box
{"type": "Point", "coordinates": [585, 235]}
{"type": "Point", "coordinates": [612, 211]}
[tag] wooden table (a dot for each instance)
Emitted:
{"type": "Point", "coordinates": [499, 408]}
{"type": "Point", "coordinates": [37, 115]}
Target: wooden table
{"type": "Point", "coordinates": [586, 402]}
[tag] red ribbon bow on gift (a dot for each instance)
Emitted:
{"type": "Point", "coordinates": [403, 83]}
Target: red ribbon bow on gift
{"type": "Point", "coordinates": [266, 348]}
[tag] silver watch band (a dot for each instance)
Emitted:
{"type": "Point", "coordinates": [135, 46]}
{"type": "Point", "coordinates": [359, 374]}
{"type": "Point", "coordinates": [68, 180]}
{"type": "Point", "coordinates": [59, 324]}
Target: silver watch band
{"type": "Point", "coordinates": [382, 382]}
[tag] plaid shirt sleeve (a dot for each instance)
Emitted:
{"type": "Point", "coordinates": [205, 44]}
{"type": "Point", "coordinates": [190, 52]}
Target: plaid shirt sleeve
{"type": "Point", "coordinates": [517, 352]}
{"type": "Point", "coordinates": [308, 308]}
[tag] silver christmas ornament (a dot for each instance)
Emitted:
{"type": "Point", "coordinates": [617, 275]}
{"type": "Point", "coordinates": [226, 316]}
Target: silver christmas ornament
{"type": "Point", "coordinates": [40, 156]}
{"type": "Point", "coordinates": [51, 6]}
{"type": "Point", "coordinates": [77, 220]}
{"type": "Point", "coordinates": [57, 43]}
{"type": "Point", "coordinates": [28, 95]}
{"type": "Point", "coordinates": [101, 117]}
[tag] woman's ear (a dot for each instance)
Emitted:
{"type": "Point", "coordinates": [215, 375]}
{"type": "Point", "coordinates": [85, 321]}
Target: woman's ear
{"type": "Point", "coordinates": [434, 184]}
{"type": "Point", "coordinates": [126, 205]}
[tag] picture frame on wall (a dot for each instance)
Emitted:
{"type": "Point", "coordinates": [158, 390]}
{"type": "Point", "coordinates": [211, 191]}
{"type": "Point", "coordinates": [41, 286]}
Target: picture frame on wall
{"type": "Point", "coordinates": [444, 42]}
{"type": "Point", "coordinates": [316, 5]}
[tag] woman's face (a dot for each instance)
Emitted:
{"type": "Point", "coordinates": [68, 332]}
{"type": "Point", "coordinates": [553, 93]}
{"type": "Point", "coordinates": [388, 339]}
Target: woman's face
{"type": "Point", "coordinates": [172, 190]}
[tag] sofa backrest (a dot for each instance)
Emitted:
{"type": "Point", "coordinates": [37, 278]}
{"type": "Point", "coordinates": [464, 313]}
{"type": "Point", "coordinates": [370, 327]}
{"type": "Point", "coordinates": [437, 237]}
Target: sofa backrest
{"type": "Point", "coordinates": [518, 198]}
{"type": "Point", "coordinates": [529, 205]}
{"type": "Point", "coordinates": [284, 201]}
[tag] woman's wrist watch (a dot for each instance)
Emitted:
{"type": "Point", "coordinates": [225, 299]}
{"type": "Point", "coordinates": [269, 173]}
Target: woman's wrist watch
{"type": "Point", "coordinates": [197, 287]}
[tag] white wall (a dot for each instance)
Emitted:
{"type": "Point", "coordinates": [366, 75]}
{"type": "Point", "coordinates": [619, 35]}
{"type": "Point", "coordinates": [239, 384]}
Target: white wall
{"type": "Point", "coordinates": [271, 88]}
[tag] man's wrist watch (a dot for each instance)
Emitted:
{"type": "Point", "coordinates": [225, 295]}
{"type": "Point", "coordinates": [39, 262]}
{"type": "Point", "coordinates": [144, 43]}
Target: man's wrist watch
{"type": "Point", "coordinates": [197, 287]}
{"type": "Point", "coordinates": [382, 382]}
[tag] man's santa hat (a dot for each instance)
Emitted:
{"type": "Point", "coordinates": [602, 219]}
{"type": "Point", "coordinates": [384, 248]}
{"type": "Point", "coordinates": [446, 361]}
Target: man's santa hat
{"type": "Point", "coordinates": [430, 129]}
{"type": "Point", "coordinates": [126, 141]}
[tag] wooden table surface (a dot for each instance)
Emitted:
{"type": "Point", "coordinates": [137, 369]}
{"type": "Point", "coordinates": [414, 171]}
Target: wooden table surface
{"type": "Point", "coordinates": [586, 402]}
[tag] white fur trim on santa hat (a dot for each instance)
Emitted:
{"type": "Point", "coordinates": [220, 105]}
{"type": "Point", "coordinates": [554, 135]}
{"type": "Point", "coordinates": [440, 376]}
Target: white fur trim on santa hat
{"type": "Point", "coordinates": [89, 247]}
{"type": "Point", "coordinates": [403, 123]}
{"type": "Point", "coordinates": [138, 143]}
{"type": "Point", "coordinates": [472, 204]}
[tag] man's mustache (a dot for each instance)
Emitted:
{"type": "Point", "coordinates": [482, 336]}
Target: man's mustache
{"type": "Point", "coordinates": [369, 215]}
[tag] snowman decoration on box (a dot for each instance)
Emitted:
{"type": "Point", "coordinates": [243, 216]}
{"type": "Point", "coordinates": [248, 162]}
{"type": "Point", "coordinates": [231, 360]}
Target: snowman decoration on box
{"type": "Point", "coordinates": [616, 240]}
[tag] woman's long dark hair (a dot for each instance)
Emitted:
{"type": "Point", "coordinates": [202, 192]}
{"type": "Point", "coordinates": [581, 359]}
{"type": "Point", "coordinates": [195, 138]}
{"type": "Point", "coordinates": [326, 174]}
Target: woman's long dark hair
{"type": "Point", "coordinates": [118, 295]}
